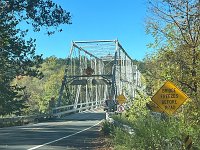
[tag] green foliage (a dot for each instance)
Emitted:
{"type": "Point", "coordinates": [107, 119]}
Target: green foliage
{"type": "Point", "coordinates": [17, 54]}
{"type": "Point", "coordinates": [140, 65]}
{"type": "Point", "coordinates": [107, 128]}
{"type": "Point", "coordinates": [38, 13]}
{"type": "Point", "coordinates": [39, 92]}
{"type": "Point", "coordinates": [153, 130]}
{"type": "Point", "coordinates": [178, 56]}
{"type": "Point", "coordinates": [151, 133]}
{"type": "Point", "coordinates": [138, 108]}
{"type": "Point", "coordinates": [122, 140]}
{"type": "Point", "coordinates": [10, 100]}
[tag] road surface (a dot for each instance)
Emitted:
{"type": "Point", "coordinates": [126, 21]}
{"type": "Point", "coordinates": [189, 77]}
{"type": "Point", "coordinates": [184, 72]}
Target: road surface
{"type": "Point", "coordinates": [74, 132]}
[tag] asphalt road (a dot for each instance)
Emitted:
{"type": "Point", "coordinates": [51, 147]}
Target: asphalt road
{"type": "Point", "coordinates": [76, 131]}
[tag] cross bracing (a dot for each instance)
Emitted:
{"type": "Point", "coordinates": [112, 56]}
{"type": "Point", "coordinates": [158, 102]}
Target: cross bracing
{"type": "Point", "coordinates": [96, 71]}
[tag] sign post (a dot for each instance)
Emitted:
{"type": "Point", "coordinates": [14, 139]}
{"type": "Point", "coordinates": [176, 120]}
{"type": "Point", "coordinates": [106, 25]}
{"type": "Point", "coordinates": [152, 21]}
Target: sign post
{"type": "Point", "coordinates": [154, 107]}
{"type": "Point", "coordinates": [169, 98]}
{"type": "Point", "coordinates": [188, 143]}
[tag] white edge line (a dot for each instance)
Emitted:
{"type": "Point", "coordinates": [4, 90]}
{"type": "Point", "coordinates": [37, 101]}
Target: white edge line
{"type": "Point", "coordinates": [63, 137]}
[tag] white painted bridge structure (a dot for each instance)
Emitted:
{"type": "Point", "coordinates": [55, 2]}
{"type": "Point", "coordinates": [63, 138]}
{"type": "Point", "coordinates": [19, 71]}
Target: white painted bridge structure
{"type": "Point", "coordinates": [96, 71]}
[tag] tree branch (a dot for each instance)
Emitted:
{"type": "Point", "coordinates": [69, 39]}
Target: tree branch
{"type": "Point", "coordinates": [189, 86]}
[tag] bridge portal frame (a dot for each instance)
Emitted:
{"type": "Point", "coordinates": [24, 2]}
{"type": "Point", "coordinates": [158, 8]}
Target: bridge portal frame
{"type": "Point", "coordinates": [109, 62]}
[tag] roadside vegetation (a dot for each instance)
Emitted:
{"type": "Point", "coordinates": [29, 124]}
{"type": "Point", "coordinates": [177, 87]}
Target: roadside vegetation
{"type": "Point", "coordinates": [175, 26]}
{"type": "Point", "coordinates": [151, 130]}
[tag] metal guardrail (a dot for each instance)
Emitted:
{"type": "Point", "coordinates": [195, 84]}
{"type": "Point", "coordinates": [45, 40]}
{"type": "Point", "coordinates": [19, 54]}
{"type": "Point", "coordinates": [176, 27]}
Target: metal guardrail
{"type": "Point", "coordinates": [56, 112]}
{"type": "Point", "coordinates": [59, 111]}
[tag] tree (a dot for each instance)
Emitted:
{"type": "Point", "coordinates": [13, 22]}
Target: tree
{"type": "Point", "coordinates": [17, 54]}
{"type": "Point", "coordinates": [175, 26]}
{"type": "Point", "coordinates": [39, 92]}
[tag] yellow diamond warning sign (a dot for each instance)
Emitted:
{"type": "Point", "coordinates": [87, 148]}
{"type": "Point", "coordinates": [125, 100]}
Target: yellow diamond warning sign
{"type": "Point", "coordinates": [169, 98]}
{"type": "Point", "coordinates": [121, 99]}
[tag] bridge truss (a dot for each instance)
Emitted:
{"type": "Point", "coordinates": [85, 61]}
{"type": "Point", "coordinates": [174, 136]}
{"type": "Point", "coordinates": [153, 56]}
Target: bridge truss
{"type": "Point", "coordinates": [96, 71]}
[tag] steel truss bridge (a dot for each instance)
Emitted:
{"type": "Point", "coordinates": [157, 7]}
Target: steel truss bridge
{"type": "Point", "coordinates": [97, 71]}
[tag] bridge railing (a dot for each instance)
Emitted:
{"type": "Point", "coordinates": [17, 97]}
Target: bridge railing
{"type": "Point", "coordinates": [62, 110]}
{"type": "Point", "coordinates": [56, 112]}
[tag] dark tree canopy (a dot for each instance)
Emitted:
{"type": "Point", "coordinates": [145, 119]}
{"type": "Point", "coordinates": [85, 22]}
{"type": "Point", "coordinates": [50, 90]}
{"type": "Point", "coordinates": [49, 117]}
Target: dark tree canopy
{"type": "Point", "coordinates": [39, 13]}
{"type": "Point", "coordinates": [17, 54]}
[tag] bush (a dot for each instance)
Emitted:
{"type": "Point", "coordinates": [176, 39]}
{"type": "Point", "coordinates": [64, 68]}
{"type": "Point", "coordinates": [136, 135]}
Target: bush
{"type": "Point", "coordinates": [150, 133]}
{"type": "Point", "coordinates": [153, 131]}
{"type": "Point", "coordinates": [122, 139]}
{"type": "Point", "coordinates": [107, 128]}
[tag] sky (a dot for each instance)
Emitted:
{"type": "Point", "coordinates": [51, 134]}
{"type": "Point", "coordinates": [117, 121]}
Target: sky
{"type": "Point", "coordinates": [99, 20]}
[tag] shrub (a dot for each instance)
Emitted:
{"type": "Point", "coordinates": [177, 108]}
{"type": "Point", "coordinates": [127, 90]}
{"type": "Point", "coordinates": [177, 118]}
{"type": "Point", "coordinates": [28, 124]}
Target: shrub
{"type": "Point", "coordinates": [107, 128]}
{"type": "Point", "coordinates": [154, 131]}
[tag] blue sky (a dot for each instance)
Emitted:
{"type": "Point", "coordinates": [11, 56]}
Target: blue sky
{"type": "Point", "coordinates": [99, 20]}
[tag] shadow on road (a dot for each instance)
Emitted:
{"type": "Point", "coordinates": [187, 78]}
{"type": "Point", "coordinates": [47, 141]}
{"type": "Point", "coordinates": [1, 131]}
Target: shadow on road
{"type": "Point", "coordinates": [82, 116]}
{"type": "Point", "coordinates": [29, 136]}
